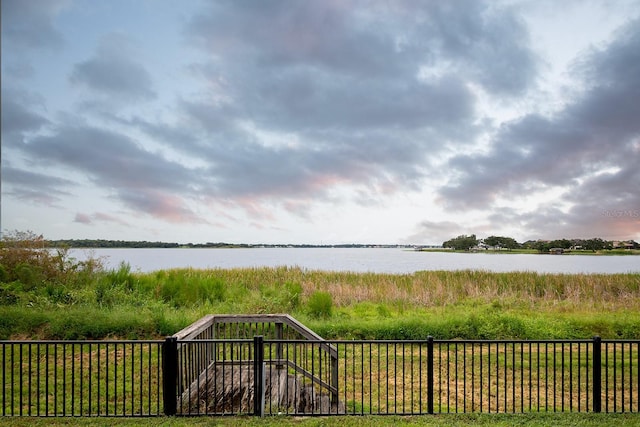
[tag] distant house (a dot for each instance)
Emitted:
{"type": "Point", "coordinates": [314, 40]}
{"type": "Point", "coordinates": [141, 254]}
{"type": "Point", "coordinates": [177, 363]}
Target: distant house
{"type": "Point", "coordinates": [624, 245]}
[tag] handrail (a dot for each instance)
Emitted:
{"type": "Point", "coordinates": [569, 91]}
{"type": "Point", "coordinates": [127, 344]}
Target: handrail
{"type": "Point", "coordinates": [205, 328]}
{"type": "Point", "coordinates": [192, 331]}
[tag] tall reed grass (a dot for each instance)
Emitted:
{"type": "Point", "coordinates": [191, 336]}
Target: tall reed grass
{"type": "Point", "coordinates": [442, 288]}
{"type": "Point", "coordinates": [445, 304]}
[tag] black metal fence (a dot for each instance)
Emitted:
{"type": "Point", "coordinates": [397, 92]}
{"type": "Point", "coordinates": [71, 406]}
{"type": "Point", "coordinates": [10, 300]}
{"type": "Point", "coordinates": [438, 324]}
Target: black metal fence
{"type": "Point", "coordinates": [81, 378]}
{"type": "Point", "coordinates": [258, 377]}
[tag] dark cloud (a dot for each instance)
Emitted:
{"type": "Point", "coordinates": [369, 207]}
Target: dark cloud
{"type": "Point", "coordinates": [329, 65]}
{"type": "Point", "coordinates": [373, 40]}
{"type": "Point", "coordinates": [343, 82]}
{"type": "Point", "coordinates": [35, 187]}
{"type": "Point", "coordinates": [97, 217]}
{"type": "Point", "coordinates": [82, 218]}
{"type": "Point", "coordinates": [298, 99]}
{"type": "Point", "coordinates": [486, 42]}
{"type": "Point", "coordinates": [18, 69]}
{"type": "Point", "coordinates": [160, 204]}
{"type": "Point", "coordinates": [19, 115]}
{"type": "Point", "coordinates": [598, 132]}
{"type": "Point", "coordinates": [437, 232]}
{"type": "Point", "coordinates": [112, 159]}
{"type": "Point", "coordinates": [576, 148]}
{"type": "Point", "coordinates": [29, 24]}
{"type": "Point", "coordinates": [301, 98]}
{"type": "Point", "coordinates": [114, 73]}
{"type": "Point", "coordinates": [143, 180]}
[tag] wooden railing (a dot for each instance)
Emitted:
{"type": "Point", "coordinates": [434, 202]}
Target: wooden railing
{"type": "Point", "coordinates": [194, 360]}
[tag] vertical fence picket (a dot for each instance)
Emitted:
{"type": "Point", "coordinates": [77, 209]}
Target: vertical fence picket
{"type": "Point", "coordinates": [430, 378]}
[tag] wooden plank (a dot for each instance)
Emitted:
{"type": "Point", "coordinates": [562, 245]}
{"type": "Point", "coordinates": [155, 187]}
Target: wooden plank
{"type": "Point", "coordinates": [195, 328]}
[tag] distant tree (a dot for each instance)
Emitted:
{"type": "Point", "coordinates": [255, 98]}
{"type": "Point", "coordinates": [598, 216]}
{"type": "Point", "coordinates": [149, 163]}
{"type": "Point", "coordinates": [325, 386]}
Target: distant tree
{"type": "Point", "coordinates": [560, 243]}
{"type": "Point", "coordinates": [595, 244]}
{"type": "Point", "coordinates": [492, 240]}
{"type": "Point", "coordinates": [545, 246]}
{"type": "Point", "coordinates": [541, 245]}
{"type": "Point", "coordinates": [502, 242]}
{"type": "Point", "coordinates": [461, 243]}
{"type": "Point", "coordinates": [529, 244]}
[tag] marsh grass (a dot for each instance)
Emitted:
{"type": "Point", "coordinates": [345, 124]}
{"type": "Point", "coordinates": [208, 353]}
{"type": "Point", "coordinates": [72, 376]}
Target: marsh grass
{"type": "Point", "coordinates": [445, 304]}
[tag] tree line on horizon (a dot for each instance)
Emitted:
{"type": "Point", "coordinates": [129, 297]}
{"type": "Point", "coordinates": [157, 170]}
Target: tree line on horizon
{"type": "Point", "coordinates": [461, 243]}
{"type": "Point", "coordinates": [467, 242]}
{"type": "Point", "coordinates": [103, 243]}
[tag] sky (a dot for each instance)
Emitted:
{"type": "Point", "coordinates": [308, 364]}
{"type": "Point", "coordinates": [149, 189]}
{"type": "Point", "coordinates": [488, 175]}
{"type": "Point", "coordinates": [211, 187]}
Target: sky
{"type": "Point", "coordinates": [321, 122]}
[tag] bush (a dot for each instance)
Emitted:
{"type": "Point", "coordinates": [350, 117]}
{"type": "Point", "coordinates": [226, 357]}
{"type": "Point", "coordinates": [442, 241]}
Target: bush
{"type": "Point", "coordinates": [293, 290]}
{"type": "Point", "coordinates": [58, 294]}
{"type": "Point", "coordinates": [320, 304]}
{"type": "Point", "coordinates": [4, 275]}
{"type": "Point", "coordinates": [28, 275]}
{"type": "Point", "coordinates": [25, 257]}
{"type": "Point", "coordinates": [8, 296]}
{"type": "Point", "coordinates": [211, 289]}
{"type": "Point", "coordinates": [122, 277]}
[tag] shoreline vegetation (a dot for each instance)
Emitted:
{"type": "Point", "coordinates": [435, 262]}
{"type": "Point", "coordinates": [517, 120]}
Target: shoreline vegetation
{"type": "Point", "coordinates": [122, 244]}
{"type": "Point", "coordinates": [462, 243]}
{"type": "Point", "coordinates": [46, 293]}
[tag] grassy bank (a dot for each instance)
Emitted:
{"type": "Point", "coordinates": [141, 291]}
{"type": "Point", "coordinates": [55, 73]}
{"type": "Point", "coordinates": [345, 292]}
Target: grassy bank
{"type": "Point", "coordinates": [445, 304]}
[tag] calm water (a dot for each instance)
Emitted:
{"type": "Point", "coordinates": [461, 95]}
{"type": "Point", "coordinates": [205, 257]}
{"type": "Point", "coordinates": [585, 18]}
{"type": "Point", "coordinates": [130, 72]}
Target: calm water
{"type": "Point", "coordinates": [381, 260]}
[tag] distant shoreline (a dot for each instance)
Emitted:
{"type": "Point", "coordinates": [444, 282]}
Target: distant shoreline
{"type": "Point", "coordinates": [120, 244]}
{"type": "Point", "coordinates": [604, 252]}
{"type": "Point", "coordinates": [123, 244]}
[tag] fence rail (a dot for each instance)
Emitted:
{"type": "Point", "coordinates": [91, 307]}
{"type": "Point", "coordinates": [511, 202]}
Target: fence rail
{"type": "Point", "coordinates": [284, 376]}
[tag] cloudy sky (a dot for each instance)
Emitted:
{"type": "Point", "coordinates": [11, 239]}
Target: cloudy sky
{"type": "Point", "coordinates": [328, 121]}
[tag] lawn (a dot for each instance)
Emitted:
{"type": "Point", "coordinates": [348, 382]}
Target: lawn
{"type": "Point", "coordinates": [551, 420]}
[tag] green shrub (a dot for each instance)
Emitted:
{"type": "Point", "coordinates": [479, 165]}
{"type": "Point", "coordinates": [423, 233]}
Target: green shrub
{"type": "Point", "coordinates": [8, 295]}
{"type": "Point", "coordinates": [320, 304]}
{"type": "Point", "coordinates": [170, 287]}
{"type": "Point", "coordinates": [58, 294]}
{"type": "Point", "coordinates": [293, 291]}
{"type": "Point", "coordinates": [21, 321]}
{"type": "Point", "coordinates": [108, 295]}
{"type": "Point", "coordinates": [26, 257]}
{"type": "Point", "coordinates": [117, 287]}
{"type": "Point", "coordinates": [211, 289]}
{"type": "Point", "coordinates": [4, 275]}
{"type": "Point", "coordinates": [122, 277]}
{"type": "Point", "coordinates": [28, 275]}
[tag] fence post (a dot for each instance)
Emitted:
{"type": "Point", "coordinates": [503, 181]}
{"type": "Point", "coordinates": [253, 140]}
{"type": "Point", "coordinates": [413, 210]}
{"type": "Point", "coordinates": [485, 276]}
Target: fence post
{"type": "Point", "coordinates": [170, 375]}
{"type": "Point", "coordinates": [597, 374]}
{"type": "Point", "coordinates": [258, 376]}
{"type": "Point", "coordinates": [430, 374]}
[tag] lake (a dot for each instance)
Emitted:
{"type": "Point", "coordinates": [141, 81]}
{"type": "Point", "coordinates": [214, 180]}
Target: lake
{"type": "Point", "coordinates": [378, 260]}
